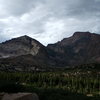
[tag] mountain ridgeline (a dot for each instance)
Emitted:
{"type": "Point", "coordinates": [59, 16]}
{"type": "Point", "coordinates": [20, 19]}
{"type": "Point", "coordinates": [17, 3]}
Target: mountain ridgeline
{"type": "Point", "coordinates": [27, 54]}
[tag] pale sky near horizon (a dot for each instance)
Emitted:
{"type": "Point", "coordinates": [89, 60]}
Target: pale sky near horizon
{"type": "Point", "coordinates": [48, 21]}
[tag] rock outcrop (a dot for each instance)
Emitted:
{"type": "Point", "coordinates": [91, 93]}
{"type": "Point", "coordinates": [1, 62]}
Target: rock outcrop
{"type": "Point", "coordinates": [20, 96]}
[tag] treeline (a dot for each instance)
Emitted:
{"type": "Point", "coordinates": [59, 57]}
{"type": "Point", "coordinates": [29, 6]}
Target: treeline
{"type": "Point", "coordinates": [77, 82]}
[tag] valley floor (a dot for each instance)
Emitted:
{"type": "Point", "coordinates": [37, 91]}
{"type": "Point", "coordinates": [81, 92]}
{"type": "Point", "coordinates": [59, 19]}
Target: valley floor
{"type": "Point", "coordinates": [56, 85]}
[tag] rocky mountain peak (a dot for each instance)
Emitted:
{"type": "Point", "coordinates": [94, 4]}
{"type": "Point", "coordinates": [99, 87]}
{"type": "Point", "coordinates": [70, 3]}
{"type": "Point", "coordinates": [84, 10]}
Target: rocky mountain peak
{"type": "Point", "coordinates": [21, 39]}
{"type": "Point", "coordinates": [20, 46]}
{"type": "Point", "coordinates": [24, 38]}
{"type": "Point", "coordinates": [80, 34]}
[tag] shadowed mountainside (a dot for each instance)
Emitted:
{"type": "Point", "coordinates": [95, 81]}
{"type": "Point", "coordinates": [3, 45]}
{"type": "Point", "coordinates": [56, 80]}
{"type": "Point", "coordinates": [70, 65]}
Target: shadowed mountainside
{"type": "Point", "coordinates": [82, 47]}
{"type": "Point", "coordinates": [25, 53]}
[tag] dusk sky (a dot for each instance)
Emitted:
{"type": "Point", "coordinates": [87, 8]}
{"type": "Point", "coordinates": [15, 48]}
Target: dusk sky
{"type": "Point", "coordinates": [48, 21]}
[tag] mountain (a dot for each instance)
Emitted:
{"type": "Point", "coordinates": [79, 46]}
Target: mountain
{"type": "Point", "coordinates": [23, 53]}
{"type": "Point", "coordinates": [82, 47]}
{"type": "Point", "coordinates": [27, 54]}
{"type": "Point", "coordinates": [20, 46]}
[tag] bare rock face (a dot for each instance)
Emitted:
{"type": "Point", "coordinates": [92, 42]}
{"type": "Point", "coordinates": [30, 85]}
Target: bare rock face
{"type": "Point", "coordinates": [20, 46]}
{"type": "Point", "coordinates": [20, 96]}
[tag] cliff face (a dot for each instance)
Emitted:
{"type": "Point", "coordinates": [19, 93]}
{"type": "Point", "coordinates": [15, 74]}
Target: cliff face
{"type": "Point", "coordinates": [25, 53]}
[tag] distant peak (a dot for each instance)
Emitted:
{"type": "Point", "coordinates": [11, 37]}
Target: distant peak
{"type": "Point", "coordinates": [82, 33]}
{"type": "Point", "coordinates": [24, 36]}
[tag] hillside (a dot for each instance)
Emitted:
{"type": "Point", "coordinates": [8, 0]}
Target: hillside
{"type": "Point", "coordinates": [27, 54]}
{"type": "Point", "coordinates": [81, 48]}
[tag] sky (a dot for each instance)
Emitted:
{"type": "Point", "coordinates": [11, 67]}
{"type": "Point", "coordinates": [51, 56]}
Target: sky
{"type": "Point", "coordinates": [48, 21]}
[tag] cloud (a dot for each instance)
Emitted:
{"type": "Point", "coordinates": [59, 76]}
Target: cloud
{"type": "Point", "coordinates": [15, 7]}
{"type": "Point", "coordinates": [48, 20]}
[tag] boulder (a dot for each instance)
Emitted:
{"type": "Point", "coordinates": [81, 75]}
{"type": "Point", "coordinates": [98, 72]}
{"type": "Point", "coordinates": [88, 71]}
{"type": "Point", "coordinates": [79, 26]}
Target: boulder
{"type": "Point", "coordinates": [20, 96]}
